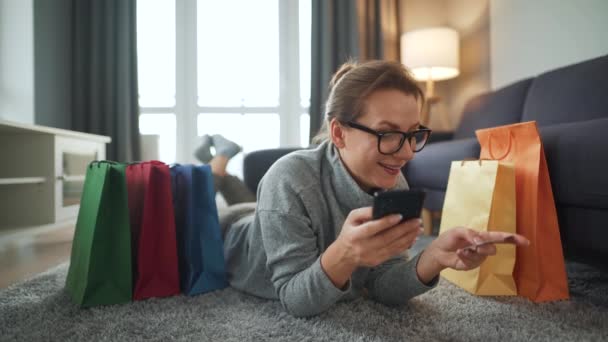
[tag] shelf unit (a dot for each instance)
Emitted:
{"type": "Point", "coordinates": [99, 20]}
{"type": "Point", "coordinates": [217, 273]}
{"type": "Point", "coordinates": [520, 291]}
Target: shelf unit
{"type": "Point", "coordinates": [43, 172]}
{"type": "Point", "coordinates": [22, 180]}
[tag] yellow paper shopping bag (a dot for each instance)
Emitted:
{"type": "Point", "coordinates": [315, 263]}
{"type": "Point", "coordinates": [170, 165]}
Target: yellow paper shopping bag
{"type": "Point", "coordinates": [481, 195]}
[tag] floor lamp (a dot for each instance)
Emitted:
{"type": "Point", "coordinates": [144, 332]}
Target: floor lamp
{"type": "Point", "coordinates": [431, 54]}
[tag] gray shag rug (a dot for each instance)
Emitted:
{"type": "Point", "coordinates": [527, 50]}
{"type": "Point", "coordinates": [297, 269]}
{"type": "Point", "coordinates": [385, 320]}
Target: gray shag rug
{"type": "Point", "coordinates": [39, 309]}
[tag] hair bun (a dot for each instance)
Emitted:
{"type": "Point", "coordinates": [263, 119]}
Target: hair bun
{"type": "Point", "coordinates": [342, 70]}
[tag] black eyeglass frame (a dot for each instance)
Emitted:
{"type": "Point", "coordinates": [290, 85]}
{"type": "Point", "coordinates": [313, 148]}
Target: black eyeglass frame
{"type": "Point", "coordinates": [404, 135]}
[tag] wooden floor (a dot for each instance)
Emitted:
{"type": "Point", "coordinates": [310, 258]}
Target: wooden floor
{"type": "Point", "coordinates": [28, 251]}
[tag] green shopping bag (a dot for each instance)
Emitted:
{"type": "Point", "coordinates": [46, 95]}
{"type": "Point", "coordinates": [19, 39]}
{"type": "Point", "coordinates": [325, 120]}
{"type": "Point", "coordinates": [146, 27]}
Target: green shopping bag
{"type": "Point", "coordinates": [100, 267]}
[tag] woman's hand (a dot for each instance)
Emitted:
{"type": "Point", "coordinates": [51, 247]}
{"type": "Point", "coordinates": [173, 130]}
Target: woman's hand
{"type": "Point", "coordinates": [448, 251]}
{"type": "Point", "coordinates": [366, 242]}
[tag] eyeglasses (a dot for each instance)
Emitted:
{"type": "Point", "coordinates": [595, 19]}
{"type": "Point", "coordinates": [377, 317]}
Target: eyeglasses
{"type": "Point", "coordinates": [390, 142]}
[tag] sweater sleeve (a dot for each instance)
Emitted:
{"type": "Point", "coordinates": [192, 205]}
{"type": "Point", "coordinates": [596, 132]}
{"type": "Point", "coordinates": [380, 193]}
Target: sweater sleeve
{"type": "Point", "coordinates": [396, 281]}
{"type": "Point", "coordinates": [294, 262]}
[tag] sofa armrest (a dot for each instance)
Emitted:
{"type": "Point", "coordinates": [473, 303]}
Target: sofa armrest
{"type": "Point", "coordinates": [256, 163]}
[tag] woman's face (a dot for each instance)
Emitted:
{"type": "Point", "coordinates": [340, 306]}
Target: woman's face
{"type": "Point", "coordinates": [385, 110]}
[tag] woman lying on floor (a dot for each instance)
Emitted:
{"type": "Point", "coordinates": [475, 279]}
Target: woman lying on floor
{"type": "Point", "coordinates": [310, 240]}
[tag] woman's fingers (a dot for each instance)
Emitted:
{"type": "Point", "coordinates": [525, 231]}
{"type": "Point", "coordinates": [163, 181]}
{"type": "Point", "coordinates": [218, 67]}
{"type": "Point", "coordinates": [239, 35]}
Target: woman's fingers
{"type": "Point", "coordinates": [403, 242]}
{"type": "Point", "coordinates": [473, 247]}
{"type": "Point", "coordinates": [516, 239]}
{"type": "Point", "coordinates": [474, 239]}
{"type": "Point", "coordinates": [389, 236]}
{"type": "Point", "coordinates": [489, 249]}
{"type": "Point", "coordinates": [391, 242]}
{"type": "Point", "coordinates": [377, 240]}
{"type": "Point", "coordinates": [458, 237]}
{"type": "Point", "coordinates": [365, 227]}
{"type": "Point", "coordinates": [360, 215]}
{"type": "Point", "coordinates": [374, 227]}
{"type": "Point", "coordinates": [380, 226]}
{"type": "Point", "coordinates": [468, 259]}
{"type": "Point", "coordinates": [483, 249]}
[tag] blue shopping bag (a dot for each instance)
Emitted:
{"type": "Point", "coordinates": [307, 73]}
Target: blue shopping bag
{"type": "Point", "coordinates": [199, 240]}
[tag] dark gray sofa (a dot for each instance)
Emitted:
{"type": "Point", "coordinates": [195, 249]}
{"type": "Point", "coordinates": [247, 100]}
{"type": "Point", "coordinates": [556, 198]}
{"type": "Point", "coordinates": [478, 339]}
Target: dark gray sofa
{"type": "Point", "coordinates": [570, 106]}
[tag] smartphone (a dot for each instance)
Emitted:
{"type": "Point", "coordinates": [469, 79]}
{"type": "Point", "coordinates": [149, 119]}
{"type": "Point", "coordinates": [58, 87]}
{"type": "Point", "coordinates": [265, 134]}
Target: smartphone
{"type": "Point", "coordinates": [408, 203]}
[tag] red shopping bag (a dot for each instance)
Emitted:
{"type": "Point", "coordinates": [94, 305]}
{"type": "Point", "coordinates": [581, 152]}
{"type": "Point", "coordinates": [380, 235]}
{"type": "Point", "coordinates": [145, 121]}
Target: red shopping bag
{"type": "Point", "coordinates": [154, 247]}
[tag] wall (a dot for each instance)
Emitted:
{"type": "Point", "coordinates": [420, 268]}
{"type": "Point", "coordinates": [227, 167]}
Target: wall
{"type": "Point", "coordinates": [35, 62]}
{"type": "Point", "coordinates": [52, 60]}
{"type": "Point", "coordinates": [17, 61]}
{"type": "Point", "coordinates": [471, 19]}
{"type": "Point", "coordinates": [530, 37]}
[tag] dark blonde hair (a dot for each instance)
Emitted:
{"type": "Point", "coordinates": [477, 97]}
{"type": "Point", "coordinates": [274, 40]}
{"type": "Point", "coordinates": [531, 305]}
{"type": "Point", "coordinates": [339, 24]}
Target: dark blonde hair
{"type": "Point", "coordinates": [353, 83]}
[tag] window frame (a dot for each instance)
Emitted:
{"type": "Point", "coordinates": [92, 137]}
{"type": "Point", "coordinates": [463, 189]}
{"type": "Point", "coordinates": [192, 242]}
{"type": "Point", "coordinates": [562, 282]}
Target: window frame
{"type": "Point", "coordinates": [187, 109]}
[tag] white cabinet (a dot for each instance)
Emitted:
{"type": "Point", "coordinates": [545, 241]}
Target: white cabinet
{"type": "Point", "coordinates": [42, 172]}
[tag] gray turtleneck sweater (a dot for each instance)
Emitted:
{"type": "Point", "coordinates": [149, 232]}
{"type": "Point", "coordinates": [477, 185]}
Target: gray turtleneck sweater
{"type": "Point", "coordinates": [275, 252]}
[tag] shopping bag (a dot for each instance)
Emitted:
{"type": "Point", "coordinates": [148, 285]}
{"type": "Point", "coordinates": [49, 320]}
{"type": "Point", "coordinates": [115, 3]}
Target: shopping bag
{"type": "Point", "coordinates": [540, 272]}
{"type": "Point", "coordinates": [200, 246]}
{"type": "Point", "coordinates": [136, 192]}
{"type": "Point", "coordinates": [100, 263]}
{"type": "Point", "coordinates": [481, 196]}
{"type": "Point", "coordinates": [155, 265]}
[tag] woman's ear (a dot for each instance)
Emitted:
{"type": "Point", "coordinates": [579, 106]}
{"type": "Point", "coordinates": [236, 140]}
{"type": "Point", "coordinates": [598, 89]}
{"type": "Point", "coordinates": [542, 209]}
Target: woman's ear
{"type": "Point", "coordinates": [336, 133]}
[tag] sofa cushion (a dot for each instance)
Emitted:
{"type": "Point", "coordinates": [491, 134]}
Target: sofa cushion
{"type": "Point", "coordinates": [430, 168]}
{"type": "Point", "coordinates": [573, 93]}
{"type": "Point", "coordinates": [501, 107]}
{"type": "Point", "coordinates": [578, 162]}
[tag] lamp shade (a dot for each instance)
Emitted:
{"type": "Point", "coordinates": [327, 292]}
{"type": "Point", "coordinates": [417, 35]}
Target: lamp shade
{"type": "Point", "coordinates": [431, 54]}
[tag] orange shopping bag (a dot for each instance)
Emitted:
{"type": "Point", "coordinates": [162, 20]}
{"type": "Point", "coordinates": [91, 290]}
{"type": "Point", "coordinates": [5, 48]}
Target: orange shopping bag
{"type": "Point", "coordinates": [540, 273]}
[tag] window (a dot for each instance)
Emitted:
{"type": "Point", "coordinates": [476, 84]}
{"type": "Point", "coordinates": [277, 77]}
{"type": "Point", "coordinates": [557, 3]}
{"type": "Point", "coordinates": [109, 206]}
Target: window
{"type": "Point", "coordinates": [163, 125]}
{"type": "Point", "coordinates": [238, 53]}
{"type": "Point", "coordinates": [235, 67]}
{"type": "Point", "coordinates": [156, 53]}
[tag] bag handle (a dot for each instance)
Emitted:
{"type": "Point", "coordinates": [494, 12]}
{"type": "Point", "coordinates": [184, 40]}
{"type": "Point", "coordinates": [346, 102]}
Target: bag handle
{"type": "Point", "coordinates": [99, 162]}
{"type": "Point", "coordinates": [511, 138]}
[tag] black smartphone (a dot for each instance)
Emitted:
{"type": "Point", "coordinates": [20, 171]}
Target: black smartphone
{"type": "Point", "coordinates": [408, 203]}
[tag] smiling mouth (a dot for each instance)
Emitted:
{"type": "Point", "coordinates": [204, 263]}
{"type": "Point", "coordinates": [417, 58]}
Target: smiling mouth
{"type": "Point", "coordinates": [391, 169]}
{"type": "Point", "coordinates": [394, 167]}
